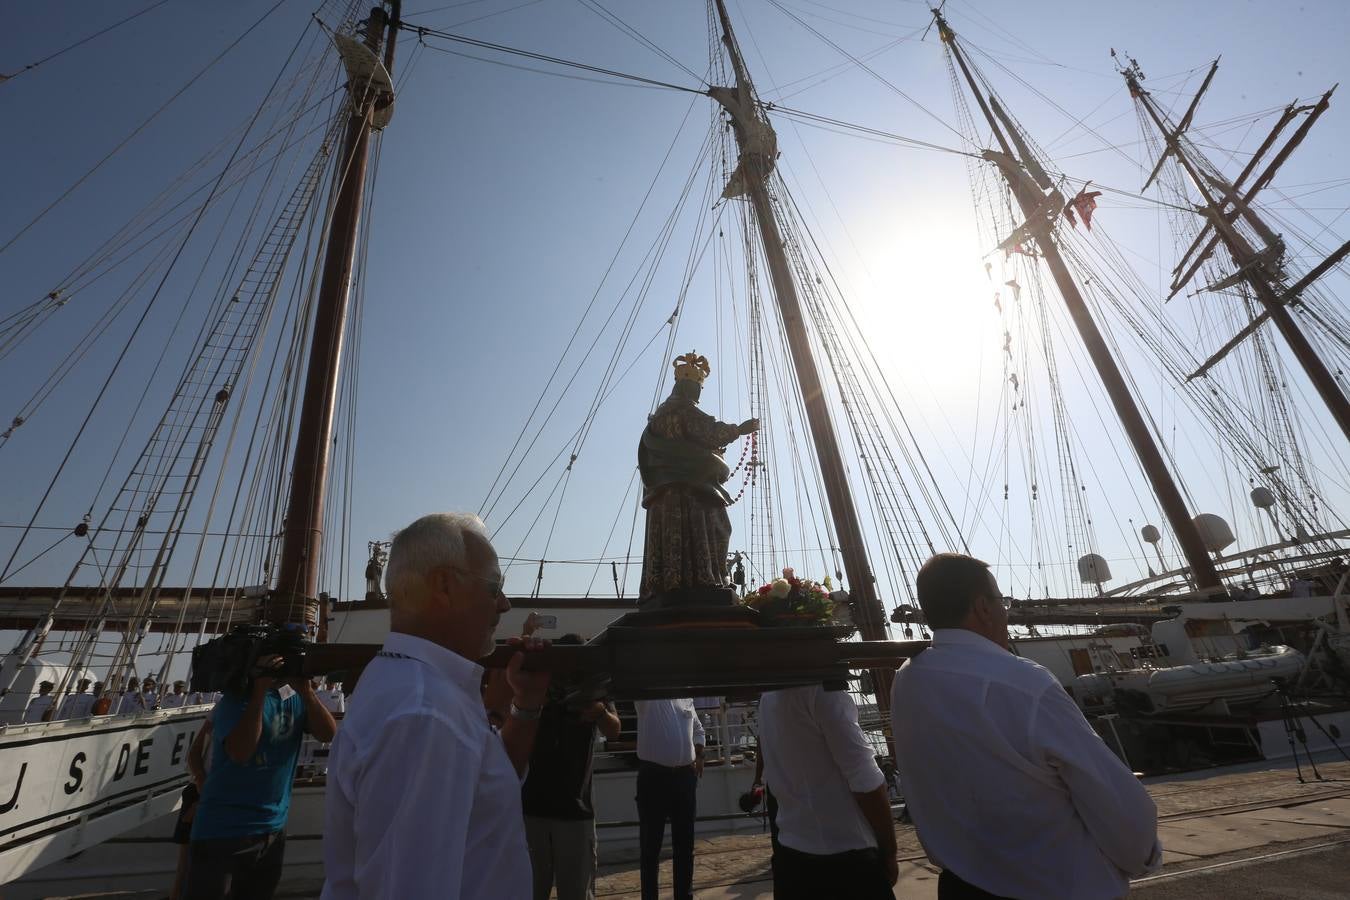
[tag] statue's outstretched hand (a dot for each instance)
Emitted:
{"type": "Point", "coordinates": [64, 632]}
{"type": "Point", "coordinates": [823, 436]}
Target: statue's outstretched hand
{"type": "Point", "coordinates": [749, 426]}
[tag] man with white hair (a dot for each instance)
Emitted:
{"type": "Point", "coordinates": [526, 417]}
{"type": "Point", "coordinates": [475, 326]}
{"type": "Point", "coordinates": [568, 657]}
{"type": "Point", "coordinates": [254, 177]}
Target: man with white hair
{"type": "Point", "coordinates": [423, 796]}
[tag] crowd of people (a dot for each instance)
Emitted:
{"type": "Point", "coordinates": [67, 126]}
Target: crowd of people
{"type": "Point", "coordinates": [140, 695]}
{"type": "Point", "coordinates": [447, 781]}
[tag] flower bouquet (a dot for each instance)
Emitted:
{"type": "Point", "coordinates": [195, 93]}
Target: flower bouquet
{"type": "Point", "coordinates": [792, 601]}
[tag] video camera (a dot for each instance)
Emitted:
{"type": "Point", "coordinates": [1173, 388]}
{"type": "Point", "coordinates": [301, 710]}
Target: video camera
{"type": "Point", "coordinates": [229, 663]}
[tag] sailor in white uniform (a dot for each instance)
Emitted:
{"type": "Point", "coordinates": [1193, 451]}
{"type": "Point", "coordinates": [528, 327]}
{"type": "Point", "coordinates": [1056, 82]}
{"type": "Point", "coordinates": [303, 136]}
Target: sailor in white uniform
{"type": "Point", "coordinates": [333, 699]}
{"type": "Point", "coordinates": [178, 698]}
{"type": "Point", "coordinates": [132, 702]}
{"type": "Point", "coordinates": [79, 704]}
{"type": "Point", "coordinates": [38, 706]}
{"type": "Point", "coordinates": [149, 693]}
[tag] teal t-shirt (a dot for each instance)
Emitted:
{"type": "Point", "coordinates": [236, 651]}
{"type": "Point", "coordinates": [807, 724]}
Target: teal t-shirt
{"type": "Point", "coordinates": [251, 798]}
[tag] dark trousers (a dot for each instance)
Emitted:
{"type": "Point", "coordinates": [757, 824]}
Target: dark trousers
{"type": "Point", "coordinates": [951, 887]}
{"type": "Point", "coordinates": [245, 868]}
{"type": "Point", "coordinates": [855, 875]}
{"type": "Point", "coordinates": [664, 793]}
{"type": "Point", "coordinates": [771, 808]}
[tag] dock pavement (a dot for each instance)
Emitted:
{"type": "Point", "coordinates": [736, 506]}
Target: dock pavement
{"type": "Point", "coordinates": [1253, 831]}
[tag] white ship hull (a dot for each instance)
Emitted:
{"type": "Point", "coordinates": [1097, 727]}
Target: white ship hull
{"type": "Point", "coordinates": [145, 858]}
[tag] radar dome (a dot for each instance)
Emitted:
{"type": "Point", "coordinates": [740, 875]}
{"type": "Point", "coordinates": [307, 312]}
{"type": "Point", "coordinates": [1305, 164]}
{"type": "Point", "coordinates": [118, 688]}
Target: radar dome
{"type": "Point", "coordinates": [1150, 534]}
{"type": "Point", "coordinates": [1092, 569]}
{"type": "Point", "coordinates": [1214, 531]}
{"type": "Point", "coordinates": [1262, 498]}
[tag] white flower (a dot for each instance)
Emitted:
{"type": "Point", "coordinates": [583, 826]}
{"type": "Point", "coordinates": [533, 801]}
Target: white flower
{"type": "Point", "coordinates": [780, 588]}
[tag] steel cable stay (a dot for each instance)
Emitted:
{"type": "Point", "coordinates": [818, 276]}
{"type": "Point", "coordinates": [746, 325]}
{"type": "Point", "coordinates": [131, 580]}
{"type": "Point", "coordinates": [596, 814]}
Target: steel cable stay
{"type": "Point", "coordinates": [187, 431]}
{"type": "Point", "coordinates": [1212, 404]}
{"type": "Point", "coordinates": [150, 304]}
{"type": "Point", "coordinates": [595, 295]}
{"type": "Point", "coordinates": [609, 537]}
{"type": "Point", "coordinates": [423, 33]}
{"type": "Point", "coordinates": [860, 349]}
{"type": "Point", "coordinates": [107, 260]}
{"type": "Point", "coordinates": [82, 347]}
{"type": "Point", "coordinates": [168, 530]}
{"type": "Point", "coordinates": [1271, 383]}
{"type": "Point", "coordinates": [219, 363]}
{"type": "Point", "coordinates": [82, 41]}
{"type": "Point", "coordinates": [609, 382]}
{"type": "Point", "coordinates": [871, 452]}
{"type": "Point", "coordinates": [878, 385]}
{"type": "Point", "coordinates": [642, 277]}
{"type": "Point", "coordinates": [142, 126]}
{"type": "Point", "coordinates": [1277, 404]}
{"type": "Point", "coordinates": [693, 260]}
{"type": "Point", "coordinates": [869, 70]}
{"type": "Point", "coordinates": [609, 16]}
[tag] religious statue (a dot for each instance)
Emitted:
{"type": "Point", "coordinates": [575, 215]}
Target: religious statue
{"type": "Point", "coordinates": [688, 530]}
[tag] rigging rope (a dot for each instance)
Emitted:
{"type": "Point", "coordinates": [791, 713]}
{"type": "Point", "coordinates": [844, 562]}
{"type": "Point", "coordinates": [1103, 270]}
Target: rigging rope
{"type": "Point", "coordinates": [141, 127]}
{"type": "Point", "coordinates": [423, 32]}
{"type": "Point", "coordinates": [82, 41]}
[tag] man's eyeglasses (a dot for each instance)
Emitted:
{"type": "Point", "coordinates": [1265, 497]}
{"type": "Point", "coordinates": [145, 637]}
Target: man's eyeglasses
{"type": "Point", "coordinates": [496, 586]}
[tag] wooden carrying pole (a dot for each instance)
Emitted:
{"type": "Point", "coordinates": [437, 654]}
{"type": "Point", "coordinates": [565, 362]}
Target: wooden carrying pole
{"type": "Point", "coordinates": [755, 168]}
{"type": "Point", "coordinates": [1249, 264]}
{"type": "Point", "coordinates": [294, 597]}
{"type": "Point", "coordinates": [1203, 571]}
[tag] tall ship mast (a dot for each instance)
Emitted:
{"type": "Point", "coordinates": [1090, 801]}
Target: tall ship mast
{"type": "Point", "coordinates": [186, 407]}
{"type": "Point", "coordinates": [1263, 269]}
{"type": "Point", "coordinates": [295, 595]}
{"type": "Point", "coordinates": [1041, 205]}
{"type": "Point", "coordinates": [758, 152]}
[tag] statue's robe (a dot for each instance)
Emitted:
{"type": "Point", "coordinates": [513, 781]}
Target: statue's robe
{"type": "Point", "coordinates": [688, 529]}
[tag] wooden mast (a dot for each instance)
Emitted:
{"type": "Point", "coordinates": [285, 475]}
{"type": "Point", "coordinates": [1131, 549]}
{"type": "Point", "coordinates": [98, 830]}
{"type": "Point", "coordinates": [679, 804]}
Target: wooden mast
{"type": "Point", "coordinates": [1040, 216]}
{"type": "Point", "coordinates": [1253, 266]}
{"type": "Point", "coordinates": [294, 596]}
{"type": "Point", "coordinates": [757, 145]}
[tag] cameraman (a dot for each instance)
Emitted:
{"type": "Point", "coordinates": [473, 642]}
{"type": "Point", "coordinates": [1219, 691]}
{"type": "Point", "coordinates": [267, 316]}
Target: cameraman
{"type": "Point", "coordinates": [238, 835]}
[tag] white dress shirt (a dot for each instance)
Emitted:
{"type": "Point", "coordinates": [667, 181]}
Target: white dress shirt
{"type": "Point", "coordinates": [667, 732]}
{"type": "Point", "coordinates": [422, 799]}
{"type": "Point", "coordinates": [76, 706]}
{"type": "Point", "coordinates": [815, 759]}
{"type": "Point", "coordinates": [1009, 786]}
{"type": "Point", "coordinates": [131, 702]}
{"type": "Point", "coordinates": [173, 701]}
{"type": "Point", "coordinates": [37, 707]}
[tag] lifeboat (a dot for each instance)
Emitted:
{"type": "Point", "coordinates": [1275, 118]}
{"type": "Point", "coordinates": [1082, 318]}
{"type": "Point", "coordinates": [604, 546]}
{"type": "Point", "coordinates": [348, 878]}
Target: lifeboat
{"type": "Point", "coordinates": [1235, 680]}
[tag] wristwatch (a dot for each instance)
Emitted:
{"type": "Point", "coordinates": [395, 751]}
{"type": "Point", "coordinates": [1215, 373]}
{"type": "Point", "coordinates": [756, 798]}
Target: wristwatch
{"type": "Point", "coordinates": [525, 715]}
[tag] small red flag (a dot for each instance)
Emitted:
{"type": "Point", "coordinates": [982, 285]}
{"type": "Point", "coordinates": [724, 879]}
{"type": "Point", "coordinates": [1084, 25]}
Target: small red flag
{"type": "Point", "coordinates": [1083, 203]}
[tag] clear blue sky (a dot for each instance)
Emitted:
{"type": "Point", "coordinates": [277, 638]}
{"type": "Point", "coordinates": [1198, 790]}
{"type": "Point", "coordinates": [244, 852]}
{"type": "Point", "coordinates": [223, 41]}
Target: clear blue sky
{"type": "Point", "coordinates": [504, 193]}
